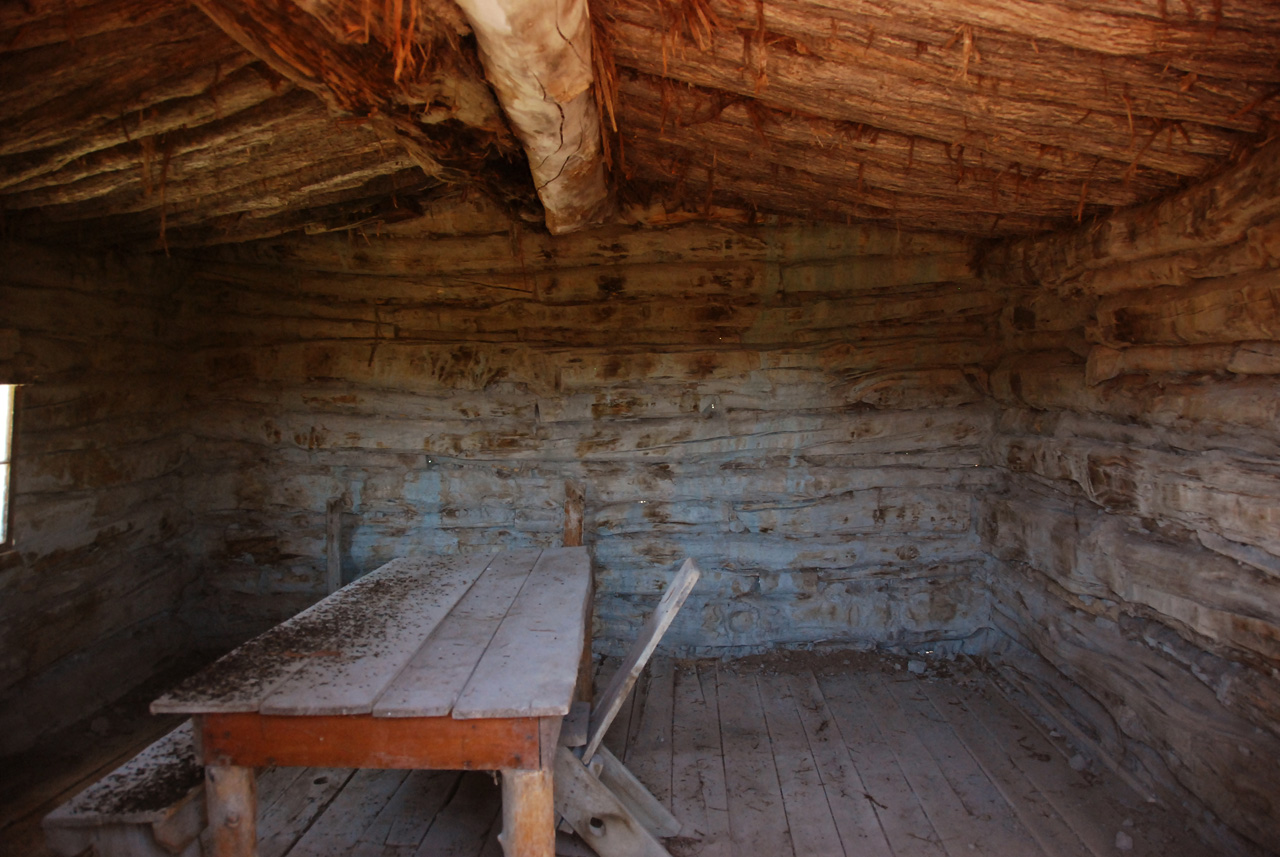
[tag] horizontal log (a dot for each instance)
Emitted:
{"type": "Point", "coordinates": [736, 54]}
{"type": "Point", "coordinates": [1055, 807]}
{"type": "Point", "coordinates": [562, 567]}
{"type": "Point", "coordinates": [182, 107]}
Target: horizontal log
{"type": "Point", "coordinates": [636, 566]}
{"type": "Point", "coordinates": [1201, 594]}
{"type": "Point", "coordinates": [1246, 358]}
{"type": "Point", "coordinates": [59, 524]}
{"type": "Point", "coordinates": [1259, 248]}
{"type": "Point", "coordinates": [874, 511]}
{"type": "Point", "coordinates": [712, 386]}
{"type": "Point", "coordinates": [1238, 412]}
{"type": "Point", "coordinates": [107, 465]}
{"type": "Point", "coordinates": [114, 598]}
{"type": "Point", "coordinates": [549, 371]}
{"type": "Point", "coordinates": [234, 286]}
{"type": "Point", "coordinates": [884, 612]}
{"type": "Point", "coordinates": [1226, 495]}
{"type": "Point", "coordinates": [399, 252]}
{"type": "Point", "coordinates": [1222, 310]}
{"type": "Point", "coordinates": [55, 699]}
{"type": "Point", "coordinates": [445, 490]}
{"type": "Point", "coordinates": [678, 438]}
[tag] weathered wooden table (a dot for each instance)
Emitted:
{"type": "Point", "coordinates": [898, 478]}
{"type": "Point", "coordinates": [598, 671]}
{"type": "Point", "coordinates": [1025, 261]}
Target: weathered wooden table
{"type": "Point", "coordinates": [462, 662]}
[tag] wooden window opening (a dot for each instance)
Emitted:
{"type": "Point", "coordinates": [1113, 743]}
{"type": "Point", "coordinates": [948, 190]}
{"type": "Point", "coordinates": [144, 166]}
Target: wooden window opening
{"type": "Point", "coordinates": [7, 396]}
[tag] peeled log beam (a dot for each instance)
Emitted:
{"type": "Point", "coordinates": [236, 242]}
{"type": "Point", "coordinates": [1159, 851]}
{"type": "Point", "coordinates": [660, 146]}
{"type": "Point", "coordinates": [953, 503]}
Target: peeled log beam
{"type": "Point", "coordinates": [537, 56]}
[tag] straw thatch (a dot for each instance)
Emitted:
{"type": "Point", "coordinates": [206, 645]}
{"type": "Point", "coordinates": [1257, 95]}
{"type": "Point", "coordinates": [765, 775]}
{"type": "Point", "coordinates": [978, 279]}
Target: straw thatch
{"type": "Point", "coordinates": [144, 121]}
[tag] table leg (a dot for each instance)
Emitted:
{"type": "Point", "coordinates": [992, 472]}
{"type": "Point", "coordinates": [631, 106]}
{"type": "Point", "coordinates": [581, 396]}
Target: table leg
{"type": "Point", "coordinates": [231, 796]}
{"type": "Point", "coordinates": [528, 814]}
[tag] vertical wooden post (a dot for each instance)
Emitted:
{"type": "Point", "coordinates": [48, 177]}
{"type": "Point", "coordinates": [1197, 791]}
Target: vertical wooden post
{"type": "Point", "coordinates": [574, 503]}
{"type": "Point", "coordinates": [528, 814]}
{"type": "Point", "coordinates": [231, 797]}
{"type": "Point", "coordinates": [574, 512]}
{"type": "Point", "coordinates": [333, 544]}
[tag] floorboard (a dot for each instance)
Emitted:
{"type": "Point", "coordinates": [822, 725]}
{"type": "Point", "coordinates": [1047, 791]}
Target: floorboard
{"type": "Point", "coordinates": [698, 796]}
{"type": "Point", "coordinates": [984, 819]}
{"type": "Point", "coordinates": [795, 756]}
{"type": "Point", "coordinates": [757, 814]}
{"type": "Point", "coordinates": [649, 753]}
{"type": "Point", "coordinates": [902, 817]}
{"type": "Point", "coordinates": [1037, 813]}
{"type": "Point", "coordinates": [852, 809]}
{"type": "Point", "coordinates": [809, 819]}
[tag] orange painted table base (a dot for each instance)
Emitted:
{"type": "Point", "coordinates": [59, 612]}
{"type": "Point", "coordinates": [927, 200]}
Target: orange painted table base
{"type": "Point", "coordinates": [522, 748]}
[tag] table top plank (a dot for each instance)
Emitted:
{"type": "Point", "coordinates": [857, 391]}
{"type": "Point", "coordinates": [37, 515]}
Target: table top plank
{"type": "Point", "coordinates": [390, 620]}
{"type": "Point", "coordinates": [241, 679]}
{"type": "Point", "coordinates": [433, 679]}
{"type": "Point", "coordinates": [531, 665]}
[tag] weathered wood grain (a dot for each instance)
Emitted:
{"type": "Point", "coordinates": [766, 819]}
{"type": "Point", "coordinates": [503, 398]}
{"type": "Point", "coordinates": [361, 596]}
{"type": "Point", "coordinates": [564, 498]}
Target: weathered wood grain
{"type": "Point", "coordinates": [379, 641]}
{"type": "Point", "coordinates": [1207, 749]}
{"type": "Point", "coordinates": [1138, 435]}
{"type": "Point", "coordinates": [1207, 595]}
{"type": "Point", "coordinates": [561, 576]}
{"type": "Point", "coordinates": [96, 568]}
{"type": "Point", "coordinates": [431, 682]}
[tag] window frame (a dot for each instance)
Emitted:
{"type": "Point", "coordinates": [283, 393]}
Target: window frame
{"type": "Point", "coordinates": [7, 433]}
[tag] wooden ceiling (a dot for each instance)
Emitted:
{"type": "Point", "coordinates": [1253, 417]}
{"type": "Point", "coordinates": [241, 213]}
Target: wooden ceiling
{"type": "Point", "coordinates": [156, 123]}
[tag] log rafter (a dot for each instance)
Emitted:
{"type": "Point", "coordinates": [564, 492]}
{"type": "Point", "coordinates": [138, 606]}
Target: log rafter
{"type": "Point", "coordinates": [966, 116]}
{"type": "Point", "coordinates": [537, 55]}
{"type": "Point", "coordinates": [916, 110]}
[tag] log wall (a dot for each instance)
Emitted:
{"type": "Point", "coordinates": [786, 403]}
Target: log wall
{"type": "Point", "coordinates": [90, 586]}
{"type": "Point", "coordinates": [1139, 532]}
{"type": "Point", "coordinates": [801, 409]}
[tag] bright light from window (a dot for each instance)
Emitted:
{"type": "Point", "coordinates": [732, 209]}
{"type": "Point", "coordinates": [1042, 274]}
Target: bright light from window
{"type": "Point", "coordinates": [6, 444]}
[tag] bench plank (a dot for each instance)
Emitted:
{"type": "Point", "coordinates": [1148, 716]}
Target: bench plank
{"type": "Point", "coordinates": [507, 682]}
{"type": "Point", "coordinates": [391, 620]}
{"type": "Point", "coordinates": [437, 674]}
{"type": "Point", "coordinates": [147, 789]}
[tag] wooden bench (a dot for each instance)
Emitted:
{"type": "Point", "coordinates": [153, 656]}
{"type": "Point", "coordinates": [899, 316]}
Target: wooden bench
{"type": "Point", "coordinates": [151, 806]}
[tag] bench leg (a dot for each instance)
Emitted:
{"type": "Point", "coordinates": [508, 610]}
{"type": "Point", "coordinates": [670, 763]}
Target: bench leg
{"type": "Point", "coordinates": [231, 795]}
{"type": "Point", "coordinates": [528, 814]}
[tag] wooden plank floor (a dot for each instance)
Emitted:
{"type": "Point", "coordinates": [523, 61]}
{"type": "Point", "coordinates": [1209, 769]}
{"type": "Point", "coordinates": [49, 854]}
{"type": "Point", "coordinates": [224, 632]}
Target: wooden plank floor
{"type": "Point", "coordinates": [790, 755]}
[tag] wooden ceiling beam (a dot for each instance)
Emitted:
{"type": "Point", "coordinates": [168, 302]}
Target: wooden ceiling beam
{"type": "Point", "coordinates": [1017, 131]}
{"type": "Point", "coordinates": [881, 158]}
{"type": "Point", "coordinates": [197, 171]}
{"type": "Point", "coordinates": [1189, 45]}
{"type": "Point", "coordinates": [537, 57]}
{"type": "Point", "coordinates": [875, 174]}
{"type": "Point", "coordinates": [236, 91]}
{"type": "Point", "coordinates": [37, 23]}
{"type": "Point", "coordinates": [804, 196]}
{"type": "Point", "coordinates": [46, 99]}
{"type": "Point", "coordinates": [290, 120]}
{"type": "Point", "coordinates": [1010, 66]}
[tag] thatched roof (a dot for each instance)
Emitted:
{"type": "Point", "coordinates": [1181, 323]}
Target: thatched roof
{"type": "Point", "coordinates": [159, 123]}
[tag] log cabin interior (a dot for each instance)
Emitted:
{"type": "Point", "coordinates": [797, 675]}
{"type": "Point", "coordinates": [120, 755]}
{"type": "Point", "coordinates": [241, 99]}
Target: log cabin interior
{"type": "Point", "coordinates": [945, 337]}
